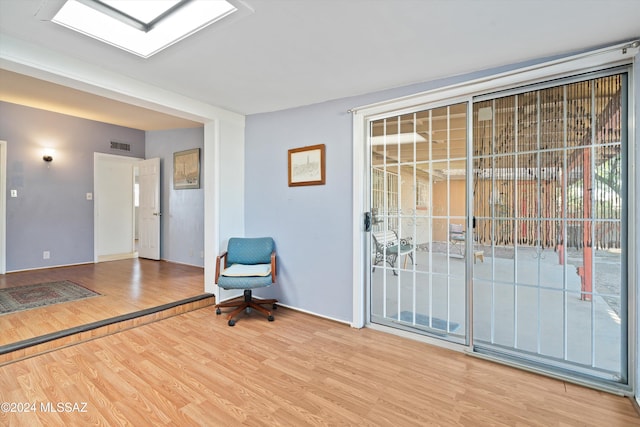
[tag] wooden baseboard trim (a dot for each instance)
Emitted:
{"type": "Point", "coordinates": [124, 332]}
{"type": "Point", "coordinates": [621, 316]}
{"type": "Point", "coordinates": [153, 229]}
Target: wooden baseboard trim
{"type": "Point", "coordinates": [53, 341]}
{"type": "Point", "coordinates": [117, 257]}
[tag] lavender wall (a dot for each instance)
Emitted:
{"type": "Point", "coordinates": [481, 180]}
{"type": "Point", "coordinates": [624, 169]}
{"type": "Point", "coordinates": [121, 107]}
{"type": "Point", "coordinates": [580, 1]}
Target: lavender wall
{"type": "Point", "coordinates": [51, 212]}
{"type": "Point", "coordinates": [312, 226]}
{"type": "Point", "coordinates": [182, 220]}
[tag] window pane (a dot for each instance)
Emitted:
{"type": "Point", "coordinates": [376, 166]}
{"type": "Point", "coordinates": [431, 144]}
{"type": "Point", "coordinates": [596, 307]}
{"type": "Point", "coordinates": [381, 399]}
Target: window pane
{"type": "Point", "coordinates": [548, 201]}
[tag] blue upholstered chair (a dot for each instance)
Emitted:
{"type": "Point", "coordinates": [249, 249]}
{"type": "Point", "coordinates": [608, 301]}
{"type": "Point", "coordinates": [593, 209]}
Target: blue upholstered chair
{"type": "Point", "coordinates": [248, 263]}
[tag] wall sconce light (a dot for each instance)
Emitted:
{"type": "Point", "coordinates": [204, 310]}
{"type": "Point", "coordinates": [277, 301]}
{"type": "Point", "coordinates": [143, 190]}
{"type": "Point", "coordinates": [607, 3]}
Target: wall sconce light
{"type": "Point", "coordinates": [47, 155]}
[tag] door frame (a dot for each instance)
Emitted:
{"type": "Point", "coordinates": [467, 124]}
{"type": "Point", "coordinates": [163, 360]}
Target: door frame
{"type": "Point", "coordinates": [98, 157]}
{"type": "Point", "coordinates": [3, 207]}
{"type": "Point", "coordinates": [361, 184]}
{"type": "Point", "coordinates": [617, 55]}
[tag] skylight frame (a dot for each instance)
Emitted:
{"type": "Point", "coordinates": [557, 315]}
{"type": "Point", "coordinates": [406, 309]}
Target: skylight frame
{"type": "Point", "coordinates": [111, 7]}
{"type": "Point", "coordinates": [128, 33]}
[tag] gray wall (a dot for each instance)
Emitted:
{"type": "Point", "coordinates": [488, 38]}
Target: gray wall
{"type": "Point", "coordinates": [182, 220]}
{"type": "Point", "coordinates": [51, 212]}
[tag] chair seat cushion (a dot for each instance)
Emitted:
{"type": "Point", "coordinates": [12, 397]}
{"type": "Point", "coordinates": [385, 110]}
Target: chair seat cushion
{"type": "Point", "coordinates": [246, 282]}
{"type": "Point", "coordinates": [399, 249]}
{"type": "Point", "coordinates": [242, 270]}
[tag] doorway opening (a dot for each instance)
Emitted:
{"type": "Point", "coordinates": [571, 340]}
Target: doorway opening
{"type": "Point", "coordinates": [114, 214]}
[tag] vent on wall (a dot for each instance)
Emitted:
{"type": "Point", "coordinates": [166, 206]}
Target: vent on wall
{"type": "Point", "coordinates": [120, 146]}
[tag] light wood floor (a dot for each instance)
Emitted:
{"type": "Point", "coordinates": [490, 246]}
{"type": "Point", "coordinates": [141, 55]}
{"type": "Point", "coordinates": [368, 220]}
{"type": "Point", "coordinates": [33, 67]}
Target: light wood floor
{"type": "Point", "coordinates": [193, 369]}
{"type": "Point", "coordinates": [125, 286]}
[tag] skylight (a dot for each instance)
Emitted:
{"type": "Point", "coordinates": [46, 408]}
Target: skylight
{"type": "Point", "coordinates": [142, 10]}
{"type": "Point", "coordinates": [142, 27]}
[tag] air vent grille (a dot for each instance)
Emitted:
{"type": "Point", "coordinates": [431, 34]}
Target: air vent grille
{"type": "Point", "coordinates": [121, 146]}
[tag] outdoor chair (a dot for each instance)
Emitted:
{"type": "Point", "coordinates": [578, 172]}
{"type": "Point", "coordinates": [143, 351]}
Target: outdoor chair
{"type": "Point", "coordinates": [247, 264]}
{"type": "Point", "coordinates": [388, 247]}
{"type": "Point", "coordinates": [457, 238]}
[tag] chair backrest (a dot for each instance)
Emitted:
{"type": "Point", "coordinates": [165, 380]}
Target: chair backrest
{"type": "Point", "coordinates": [385, 238]}
{"type": "Point", "coordinates": [456, 229]}
{"type": "Point", "coordinates": [249, 250]}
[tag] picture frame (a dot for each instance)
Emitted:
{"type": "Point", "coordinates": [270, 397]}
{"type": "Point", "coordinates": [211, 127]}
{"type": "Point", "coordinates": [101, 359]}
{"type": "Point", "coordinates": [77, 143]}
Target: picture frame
{"type": "Point", "coordinates": [307, 165]}
{"type": "Point", "coordinates": [186, 169]}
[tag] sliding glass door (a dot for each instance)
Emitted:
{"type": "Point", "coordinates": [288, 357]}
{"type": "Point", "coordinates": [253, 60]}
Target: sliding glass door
{"type": "Point", "coordinates": [418, 189]}
{"type": "Point", "coordinates": [550, 206]}
{"type": "Point", "coordinates": [508, 234]}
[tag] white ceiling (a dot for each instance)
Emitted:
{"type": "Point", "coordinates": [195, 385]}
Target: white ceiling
{"type": "Point", "coordinates": [288, 53]}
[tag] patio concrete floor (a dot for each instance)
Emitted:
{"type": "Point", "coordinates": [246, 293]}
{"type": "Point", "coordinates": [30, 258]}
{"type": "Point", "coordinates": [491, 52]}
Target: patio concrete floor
{"type": "Point", "coordinates": [543, 315]}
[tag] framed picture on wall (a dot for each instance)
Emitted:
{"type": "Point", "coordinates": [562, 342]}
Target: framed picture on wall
{"type": "Point", "coordinates": [186, 169]}
{"type": "Point", "coordinates": [306, 166]}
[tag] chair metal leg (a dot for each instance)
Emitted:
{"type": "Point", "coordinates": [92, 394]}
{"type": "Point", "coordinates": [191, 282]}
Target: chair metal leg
{"type": "Point", "coordinates": [231, 303]}
{"type": "Point", "coordinates": [244, 302]}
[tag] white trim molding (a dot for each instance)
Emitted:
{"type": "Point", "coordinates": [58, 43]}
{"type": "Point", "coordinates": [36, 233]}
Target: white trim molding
{"type": "Point", "coordinates": [35, 61]}
{"type": "Point", "coordinates": [3, 207]}
{"type": "Point", "coordinates": [619, 54]}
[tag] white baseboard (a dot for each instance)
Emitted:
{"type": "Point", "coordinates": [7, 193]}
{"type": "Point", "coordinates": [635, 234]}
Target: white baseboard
{"type": "Point", "coordinates": [51, 266]}
{"type": "Point", "coordinates": [182, 263]}
{"type": "Point", "coordinates": [315, 314]}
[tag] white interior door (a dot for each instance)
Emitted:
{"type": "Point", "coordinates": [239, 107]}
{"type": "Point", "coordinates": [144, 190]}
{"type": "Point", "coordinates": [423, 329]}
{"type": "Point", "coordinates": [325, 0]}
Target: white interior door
{"type": "Point", "coordinates": [149, 209]}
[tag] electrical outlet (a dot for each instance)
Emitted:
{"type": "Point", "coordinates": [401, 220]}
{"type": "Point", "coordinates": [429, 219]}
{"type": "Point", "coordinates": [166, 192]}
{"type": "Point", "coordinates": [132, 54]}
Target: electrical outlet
{"type": "Point", "coordinates": [89, 196]}
{"type": "Point", "coordinates": [46, 255]}
{"type": "Point", "coordinates": [14, 193]}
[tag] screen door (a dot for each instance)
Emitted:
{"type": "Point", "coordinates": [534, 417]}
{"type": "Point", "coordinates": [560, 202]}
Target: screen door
{"type": "Point", "coordinates": [418, 223]}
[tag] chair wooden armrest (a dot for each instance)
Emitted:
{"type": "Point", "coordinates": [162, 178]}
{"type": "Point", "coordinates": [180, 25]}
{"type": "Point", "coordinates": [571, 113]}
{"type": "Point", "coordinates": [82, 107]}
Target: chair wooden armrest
{"type": "Point", "coordinates": [273, 267]}
{"type": "Point", "coordinates": [218, 258]}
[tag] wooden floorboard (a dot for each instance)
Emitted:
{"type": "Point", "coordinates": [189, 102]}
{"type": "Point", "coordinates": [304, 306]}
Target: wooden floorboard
{"type": "Point", "coordinates": [193, 369]}
{"type": "Point", "coordinates": [125, 287]}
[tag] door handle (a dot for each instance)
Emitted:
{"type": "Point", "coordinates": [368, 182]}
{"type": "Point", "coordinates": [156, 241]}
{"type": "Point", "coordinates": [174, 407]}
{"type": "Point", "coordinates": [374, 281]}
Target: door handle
{"type": "Point", "coordinates": [157, 214]}
{"type": "Point", "coordinates": [367, 221]}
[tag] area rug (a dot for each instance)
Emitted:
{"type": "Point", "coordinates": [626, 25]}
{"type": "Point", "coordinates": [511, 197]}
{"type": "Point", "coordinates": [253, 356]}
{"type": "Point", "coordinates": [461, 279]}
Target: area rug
{"type": "Point", "coordinates": [41, 294]}
{"type": "Point", "coordinates": [422, 320]}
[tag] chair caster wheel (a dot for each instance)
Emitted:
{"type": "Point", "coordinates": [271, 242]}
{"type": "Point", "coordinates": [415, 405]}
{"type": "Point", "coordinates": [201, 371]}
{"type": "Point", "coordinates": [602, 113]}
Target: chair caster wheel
{"type": "Point", "coordinates": [232, 322]}
{"type": "Point", "coordinates": [270, 318]}
{"type": "Point", "coordinates": [275, 306]}
{"type": "Point", "coordinates": [247, 310]}
{"type": "Point", "coordinates": [218, 311]}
